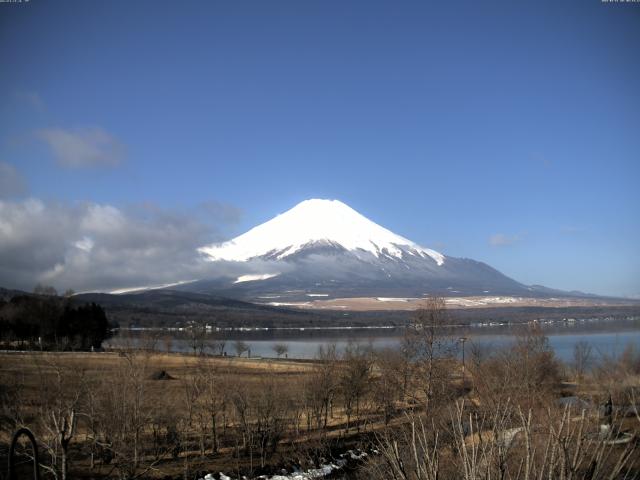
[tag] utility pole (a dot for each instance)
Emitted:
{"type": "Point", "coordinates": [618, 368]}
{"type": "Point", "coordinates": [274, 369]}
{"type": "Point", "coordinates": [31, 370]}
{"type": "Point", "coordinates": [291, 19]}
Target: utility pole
{"type": "Point", "coordinates": [462, 340]}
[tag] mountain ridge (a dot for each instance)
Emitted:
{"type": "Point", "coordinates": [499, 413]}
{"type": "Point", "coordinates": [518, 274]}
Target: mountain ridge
{"type": "Point", "coordinates": [178, 309]}
{"type": "Point", "coordinates": [325, 247]}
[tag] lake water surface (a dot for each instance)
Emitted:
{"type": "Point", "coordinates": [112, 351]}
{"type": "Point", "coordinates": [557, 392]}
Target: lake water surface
{"type": "Point", "coordinates": [607, 338]}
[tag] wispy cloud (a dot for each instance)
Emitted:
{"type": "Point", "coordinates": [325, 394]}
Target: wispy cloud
{"type": "Point", "coordinates": [88, 147]}
{"type": "Point", "coordinates": [11, 182]}
{"type": "Point", "coordinates": [502, 240]}
{"type": "Point", "coordinates": [32, 99]}
{"type": "Point", "coordinates": [221, 212]}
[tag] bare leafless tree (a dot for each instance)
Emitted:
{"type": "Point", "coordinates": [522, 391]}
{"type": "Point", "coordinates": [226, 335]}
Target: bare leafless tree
{"type": "Point", "coordinates": [167, 341]}
{"type": "Point", "coordinates": [582, 357]}
{"type": "Point", "coordinates": [390, 381]}
{"type": "Point", "coordinates": [354, 379]}
{"type": "Point", "coordinates": [271, 412]}
{"type": "Point", "coordinates": [505, 443]}
{"type": "Point", "coordinates": [525, 373]}
{"type": "Point", "coordinates": [62, 391]}
{"type": "Point", "coordinates": [197, 337]}
{"type": "Point", "coordinates": [218, 346]}
{"type": "Point", "coordinates": [240, 347]}
{"type": "Point", "coordinates": [125, 411]}
{"type": "Point", "coordinates": [321, 387]}
{"type": "Point", "coordinates": [206, 398]}
{"type": "Point", "coordinates": [430, 343]}
{"type": "Point", "coordinates": [280, 349]}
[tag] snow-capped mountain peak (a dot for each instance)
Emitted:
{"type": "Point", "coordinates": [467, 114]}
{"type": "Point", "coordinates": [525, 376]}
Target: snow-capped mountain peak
{"type": "Point", "coordinates": [317, 221]}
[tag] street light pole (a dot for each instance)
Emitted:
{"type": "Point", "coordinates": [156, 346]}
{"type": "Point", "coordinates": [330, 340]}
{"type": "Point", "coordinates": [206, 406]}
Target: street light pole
{"type": "Point", "coordinates": [463, 339]}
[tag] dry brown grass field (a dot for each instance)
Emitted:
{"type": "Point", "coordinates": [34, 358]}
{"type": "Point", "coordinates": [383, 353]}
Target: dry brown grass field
{"type": "Point", "coordinates": [144, 414]}
{"type": "Point", "coordinates": [171, 391]}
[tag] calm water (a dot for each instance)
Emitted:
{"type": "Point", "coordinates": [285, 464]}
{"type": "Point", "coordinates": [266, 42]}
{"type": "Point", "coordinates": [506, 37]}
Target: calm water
{"type": "Point", "coordinates": [606, 338]}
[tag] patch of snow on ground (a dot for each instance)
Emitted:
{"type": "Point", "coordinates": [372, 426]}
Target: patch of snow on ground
{"type": "Point", "coordinates": [480, 301]}
{"type": "Point", "coordinates": [311, 474]}
{"type": "Point", "coordinates": [323, 471]}
{"type": "Point", "coordinates": [289, 304]}
{"type": "Point", "coordinates": [149, 287]}
{"type": "Point", "coordinates": [253, 278]}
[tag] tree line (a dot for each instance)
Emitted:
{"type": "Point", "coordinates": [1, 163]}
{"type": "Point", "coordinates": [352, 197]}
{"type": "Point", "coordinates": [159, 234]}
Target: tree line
{"type": "Point", "coordinates": [426, 415]}
{"type": "Point", "coordinates": [46, 321]}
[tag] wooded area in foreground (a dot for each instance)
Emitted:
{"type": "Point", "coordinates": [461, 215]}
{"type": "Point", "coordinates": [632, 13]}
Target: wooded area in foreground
{"type": "Point", "coordinates": [511, 414]}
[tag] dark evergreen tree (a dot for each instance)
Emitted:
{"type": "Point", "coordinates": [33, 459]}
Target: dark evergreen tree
{"type": "Point", "coordinates": [52, 322]}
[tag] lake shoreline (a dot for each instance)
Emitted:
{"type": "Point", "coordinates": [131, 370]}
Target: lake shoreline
{"type": "Point", "coordinates": [608, 338]}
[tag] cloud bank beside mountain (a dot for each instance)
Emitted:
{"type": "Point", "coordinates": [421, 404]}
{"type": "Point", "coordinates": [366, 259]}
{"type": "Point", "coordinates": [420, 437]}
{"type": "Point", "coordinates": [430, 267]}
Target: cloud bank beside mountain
{"type": "Point", "coordinates": [94, 246]}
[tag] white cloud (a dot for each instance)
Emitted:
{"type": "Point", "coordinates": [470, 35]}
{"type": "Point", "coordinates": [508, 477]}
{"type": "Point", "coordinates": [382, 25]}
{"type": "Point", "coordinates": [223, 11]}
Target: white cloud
{"type": "Point", "coordinates": [102, 219]}
{"type": "Point", "coordinates": [11, 182]}
{"type": "Point", "coordinates": [221, 212]}
{"type": "Point", "coordinates": [85, 244]}
{"type": "Point", "coordinates": [102, 247]}
{"type": "Point", "coordinates": [83, 147]}
{"type": "Point", "coordinates": [502, 240]}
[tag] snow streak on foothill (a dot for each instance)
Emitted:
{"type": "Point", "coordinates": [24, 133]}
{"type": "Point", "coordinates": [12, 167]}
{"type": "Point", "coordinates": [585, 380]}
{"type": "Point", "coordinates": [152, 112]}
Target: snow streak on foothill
{"type": "Point", "coordinates": [314, 222]}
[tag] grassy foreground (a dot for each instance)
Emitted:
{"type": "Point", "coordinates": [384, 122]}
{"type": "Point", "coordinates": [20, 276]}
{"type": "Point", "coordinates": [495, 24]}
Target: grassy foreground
{"type": "Point", "coordinates": [511, 414]}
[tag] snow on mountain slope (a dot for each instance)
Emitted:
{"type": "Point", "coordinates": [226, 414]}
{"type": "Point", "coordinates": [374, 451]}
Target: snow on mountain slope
{"type": "Point", "coordinates": [312, 222]}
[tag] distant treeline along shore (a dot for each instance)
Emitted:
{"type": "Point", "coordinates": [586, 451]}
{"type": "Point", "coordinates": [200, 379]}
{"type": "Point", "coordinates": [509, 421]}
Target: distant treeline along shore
{"type": "Point", "coordinates": [51, 322]}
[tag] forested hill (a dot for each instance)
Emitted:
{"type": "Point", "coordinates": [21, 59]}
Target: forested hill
{"type": "Point", "coordinates": [168, 308]}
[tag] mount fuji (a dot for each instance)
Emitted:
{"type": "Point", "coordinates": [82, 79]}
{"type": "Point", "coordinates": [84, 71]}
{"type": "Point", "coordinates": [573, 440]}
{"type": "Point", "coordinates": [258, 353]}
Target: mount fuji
{"type": "Point", "coordinates": [324, 248]}
{"type": "Point", "coordinates": [314, 223]}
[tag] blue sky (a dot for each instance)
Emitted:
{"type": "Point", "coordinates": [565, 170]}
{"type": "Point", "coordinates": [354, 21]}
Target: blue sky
{"type": "Point", "coordinates": [507, 132]}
